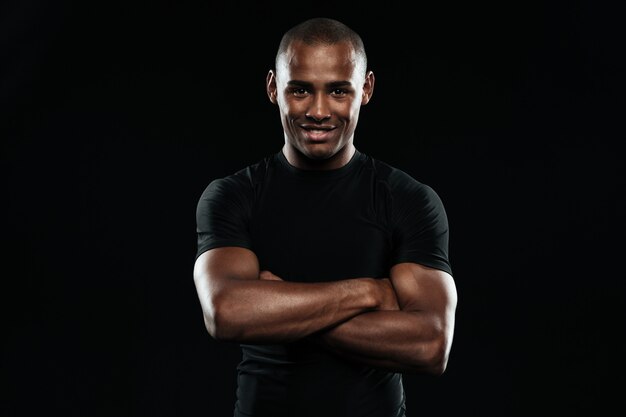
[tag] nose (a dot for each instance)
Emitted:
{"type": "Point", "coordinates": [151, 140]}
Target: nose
{"type": "Point", "coordinates": [319, 109]}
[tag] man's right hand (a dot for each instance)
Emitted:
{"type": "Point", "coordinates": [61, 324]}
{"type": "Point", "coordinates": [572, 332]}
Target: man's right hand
{"type": "Point", "coordinates": [389, 300]}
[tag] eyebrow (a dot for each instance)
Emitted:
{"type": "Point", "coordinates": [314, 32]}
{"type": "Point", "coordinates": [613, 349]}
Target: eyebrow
{"type": "Point", "coordinates": [333, 84]}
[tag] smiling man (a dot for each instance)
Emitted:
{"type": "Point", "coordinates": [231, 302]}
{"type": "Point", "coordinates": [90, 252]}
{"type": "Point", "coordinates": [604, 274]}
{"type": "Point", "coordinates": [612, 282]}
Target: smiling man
{"type": "Point", "coordinates": [329, 267]}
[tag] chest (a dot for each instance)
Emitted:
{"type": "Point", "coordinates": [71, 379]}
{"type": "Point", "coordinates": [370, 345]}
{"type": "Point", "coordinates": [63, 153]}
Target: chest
{"type": "Point", "coordinates": [322, 230]}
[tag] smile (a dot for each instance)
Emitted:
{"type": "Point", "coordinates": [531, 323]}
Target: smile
{"type": "Point", "coordinates": [317, 135]}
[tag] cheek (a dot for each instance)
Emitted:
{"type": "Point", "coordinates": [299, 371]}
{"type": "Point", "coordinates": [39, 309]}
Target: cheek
{"type": "Point", "coordinates": [286, 113]}
{"type": "Point", "coordinates": [349, 109]}
{"type": "Point", "coordinates": [354, 110]}
{"type": "Point", "coordinates": [291, 108]}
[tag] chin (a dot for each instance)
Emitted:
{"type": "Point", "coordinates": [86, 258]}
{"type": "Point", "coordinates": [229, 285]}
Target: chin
{"type": "Point", "coordinates": [319, 152]}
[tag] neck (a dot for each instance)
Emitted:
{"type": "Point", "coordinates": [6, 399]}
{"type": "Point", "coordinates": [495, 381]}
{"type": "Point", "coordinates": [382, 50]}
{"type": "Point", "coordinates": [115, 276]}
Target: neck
{"type": "Point", "coordinates": [301, 161]}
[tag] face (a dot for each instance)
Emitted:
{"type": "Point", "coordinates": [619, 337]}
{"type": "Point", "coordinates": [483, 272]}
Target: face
{"type": "Point", "coordinates": [319, 90]}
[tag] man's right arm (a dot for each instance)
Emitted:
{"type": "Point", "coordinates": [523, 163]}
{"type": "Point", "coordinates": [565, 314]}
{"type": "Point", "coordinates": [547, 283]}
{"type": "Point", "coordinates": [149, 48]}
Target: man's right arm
{"type": "Point", "coordinates": [239, 307]}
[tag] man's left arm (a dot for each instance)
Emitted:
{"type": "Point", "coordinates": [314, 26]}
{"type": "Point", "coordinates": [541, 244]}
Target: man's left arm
{"type": "Point", "coordinates": [416, 338]}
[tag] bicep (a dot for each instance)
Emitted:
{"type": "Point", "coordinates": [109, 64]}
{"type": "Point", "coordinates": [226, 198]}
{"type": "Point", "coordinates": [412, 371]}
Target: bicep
{"type": "Point", "coordinates": [215, 267]}
{"type": "Point", "coordinates": [421, 288]}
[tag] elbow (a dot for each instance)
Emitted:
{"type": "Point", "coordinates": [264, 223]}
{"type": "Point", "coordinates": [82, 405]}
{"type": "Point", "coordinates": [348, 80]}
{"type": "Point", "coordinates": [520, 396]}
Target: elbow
{"type": "Point", "coordinates": [218, 331]}
{"type": "Point", "coordinates": [438, 362]}
{"type": "Point", "coordinates": [218, 320]}
{"type": "Point", "coordinates": [440, 355]}
{"type": "Point", "coordinates": [433, 357]}
{"type": "Point", "coordinates": [434, 352]}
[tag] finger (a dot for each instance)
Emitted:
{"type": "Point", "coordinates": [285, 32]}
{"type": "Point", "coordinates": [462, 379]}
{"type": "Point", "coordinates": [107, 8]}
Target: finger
{"type": "Point", "coordinates": [268, 276]}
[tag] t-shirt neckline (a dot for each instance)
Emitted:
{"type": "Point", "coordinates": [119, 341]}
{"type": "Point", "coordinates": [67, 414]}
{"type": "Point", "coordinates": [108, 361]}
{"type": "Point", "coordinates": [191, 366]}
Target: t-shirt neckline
{"type": "Point", "coordinates": [320, 173]}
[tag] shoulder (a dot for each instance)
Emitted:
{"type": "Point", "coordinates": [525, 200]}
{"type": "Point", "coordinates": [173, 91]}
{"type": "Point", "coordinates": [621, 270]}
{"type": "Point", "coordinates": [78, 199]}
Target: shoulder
{"type": "Point", "coordinates": [240, 182]}
{"type": "Point", "coordinates": [402, 185]}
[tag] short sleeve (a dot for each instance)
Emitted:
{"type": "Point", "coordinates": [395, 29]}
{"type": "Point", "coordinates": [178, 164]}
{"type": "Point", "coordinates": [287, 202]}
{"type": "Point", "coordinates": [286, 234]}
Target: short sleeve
{"type": "Point", "coordinates": [420, 224]}
{"type": "Point", "coordinates": [222, 215]}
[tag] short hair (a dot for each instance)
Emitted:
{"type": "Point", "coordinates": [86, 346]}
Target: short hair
{"type": "Point", "coordinates": [323, 31]}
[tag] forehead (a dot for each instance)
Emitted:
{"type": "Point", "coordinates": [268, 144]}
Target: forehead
{"type": "Point", "coordinates": [305, 61]}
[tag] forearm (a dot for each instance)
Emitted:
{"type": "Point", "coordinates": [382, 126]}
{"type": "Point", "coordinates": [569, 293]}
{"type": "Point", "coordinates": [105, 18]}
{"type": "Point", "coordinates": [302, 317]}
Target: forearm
{"type": "Point", "coordinates": [258, 311]}
{"type": "Point", "coordinates": [399, 341]}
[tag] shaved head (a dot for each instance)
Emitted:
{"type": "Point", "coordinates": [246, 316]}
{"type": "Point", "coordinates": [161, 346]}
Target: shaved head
{"type": "Point", "coordinates": [323, 31]}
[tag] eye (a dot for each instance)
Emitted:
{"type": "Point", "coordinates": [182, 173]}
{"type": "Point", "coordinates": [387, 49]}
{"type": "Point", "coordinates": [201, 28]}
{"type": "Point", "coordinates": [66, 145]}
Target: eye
{"type": "Point", "coordinates": [339, 92]}
{"type": "Point", "coordinates": [299, 92]}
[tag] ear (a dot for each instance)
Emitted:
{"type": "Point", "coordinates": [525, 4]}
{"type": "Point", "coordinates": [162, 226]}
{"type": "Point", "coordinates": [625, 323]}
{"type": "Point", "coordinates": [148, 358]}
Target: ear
{"type": "Point", "coordinates": [270, 86]}
{"type": "Point", "coordinates": [368, 88]}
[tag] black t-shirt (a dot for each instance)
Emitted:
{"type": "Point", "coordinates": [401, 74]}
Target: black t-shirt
{"type": "Point", "coordinates": [313, 226]}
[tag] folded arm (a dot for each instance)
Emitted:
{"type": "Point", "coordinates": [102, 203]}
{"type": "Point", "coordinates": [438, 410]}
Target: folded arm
{"type": "Point", "coordinates": [415, 339]}
{"type": "Point", "coordinates": [238, 306]}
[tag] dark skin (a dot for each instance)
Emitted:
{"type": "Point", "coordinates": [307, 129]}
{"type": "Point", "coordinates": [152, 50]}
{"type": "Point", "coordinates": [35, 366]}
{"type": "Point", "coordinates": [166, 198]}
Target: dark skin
{"type": "Point", "coordinates": [403, 323]}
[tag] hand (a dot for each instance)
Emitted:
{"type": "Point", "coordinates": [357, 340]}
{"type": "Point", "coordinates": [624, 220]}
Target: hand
{"type": "Point", "coordinates": [268, 276]}
{"type": "Point", "coordinates": [388, 295]}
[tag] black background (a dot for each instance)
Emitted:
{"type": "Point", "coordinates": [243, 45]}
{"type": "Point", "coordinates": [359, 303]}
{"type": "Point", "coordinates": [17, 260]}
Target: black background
{"type": "Point", "coordinates": [115, 116]}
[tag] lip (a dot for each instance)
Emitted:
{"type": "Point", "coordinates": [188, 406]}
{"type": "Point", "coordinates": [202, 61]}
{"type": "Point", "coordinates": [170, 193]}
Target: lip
{"type": "Point", "coordinates": [317, 133]}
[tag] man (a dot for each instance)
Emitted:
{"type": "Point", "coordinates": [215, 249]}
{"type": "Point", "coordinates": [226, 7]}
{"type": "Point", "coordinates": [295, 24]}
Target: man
{"type": "Point", "coordinates": [329, 267]}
